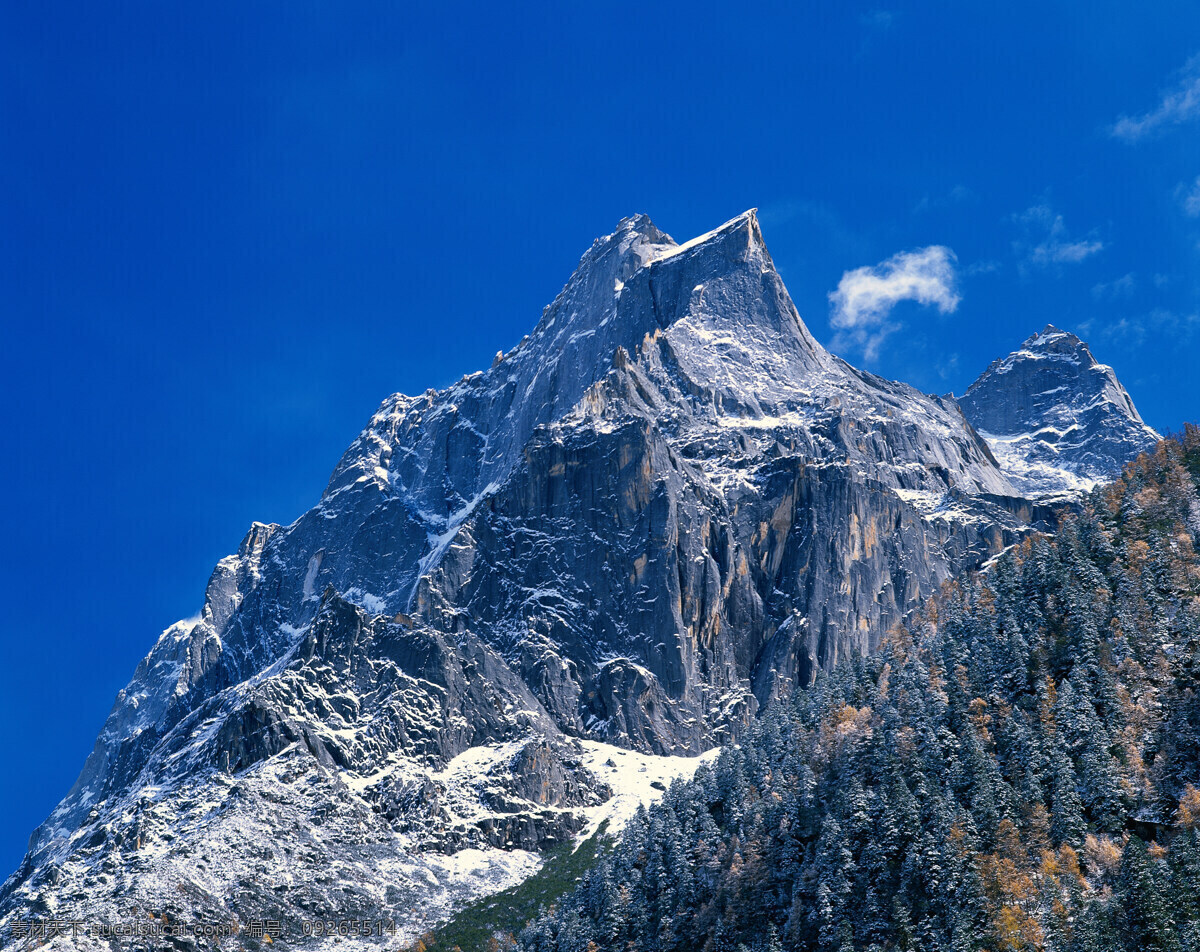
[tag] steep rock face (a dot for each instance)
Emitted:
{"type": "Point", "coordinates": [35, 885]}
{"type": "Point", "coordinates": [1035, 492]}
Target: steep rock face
{"type": "Point", "coordinates": [1058, 420]}
{"type": "Point", "coordinates": [666, 506]}
{"type": "Point", "coordinates": [727, 510]}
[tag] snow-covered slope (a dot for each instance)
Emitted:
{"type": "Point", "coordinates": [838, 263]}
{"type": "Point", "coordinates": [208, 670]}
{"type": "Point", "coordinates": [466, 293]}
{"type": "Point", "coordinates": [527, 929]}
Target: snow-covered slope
{"type": "Point", "coordinates": [666, 506]}
{"type": "Point", "coordinates": [1056, 419]}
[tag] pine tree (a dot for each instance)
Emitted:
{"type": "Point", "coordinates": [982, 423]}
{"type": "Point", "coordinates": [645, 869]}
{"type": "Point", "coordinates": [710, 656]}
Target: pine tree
{"type": "Point", "coordinates": [1145, 923]}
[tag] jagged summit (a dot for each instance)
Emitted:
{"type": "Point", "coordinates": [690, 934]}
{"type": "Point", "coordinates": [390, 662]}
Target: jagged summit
{"type": "Point", "coordinates": [1054, 340]}
{"type": "Point", "coordinates": [717, 296]}
{"type": "Point", "coordinates": [1056, 418]}
{"type": "Point", "coordinates": [589, 305]}
{"type": "Point", "coordinates": [745, 223]}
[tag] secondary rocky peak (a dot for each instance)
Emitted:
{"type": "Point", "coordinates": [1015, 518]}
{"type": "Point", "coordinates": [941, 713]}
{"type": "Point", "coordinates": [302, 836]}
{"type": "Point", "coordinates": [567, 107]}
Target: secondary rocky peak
{"type": "Point", "coordinates": [1056, 418]}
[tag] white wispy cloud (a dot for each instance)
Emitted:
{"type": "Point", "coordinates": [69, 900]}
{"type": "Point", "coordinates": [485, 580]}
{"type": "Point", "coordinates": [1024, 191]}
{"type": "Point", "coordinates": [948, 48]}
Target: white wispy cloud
{"type": "Point", "coordinates": [1047, 241]}
{"type": "Point", "coordinates": [1179, 104]}
{"type": "Point", "coordinates": [1190, 196]}
{"type": "Point", "coordinates": [959, 195]}
{"type": "Point", "coordinates": [878, 19]}
{"type": "Point", "coordinates": [1122, 287]}
{"type": "Point", "coordinates": [876, 25]}
{"type": "Point", "coordinates": [863, 301]}
{"type": "Point", "coordinates": [1132, 331]}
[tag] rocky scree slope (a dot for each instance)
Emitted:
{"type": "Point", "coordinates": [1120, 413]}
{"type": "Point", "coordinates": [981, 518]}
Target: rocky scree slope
{"type": "Point", "coordinates": [665, 507]}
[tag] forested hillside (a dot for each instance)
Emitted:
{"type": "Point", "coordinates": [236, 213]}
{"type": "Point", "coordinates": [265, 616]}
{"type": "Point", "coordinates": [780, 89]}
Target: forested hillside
{"type": "Point", "coordinates": [1017, 769]}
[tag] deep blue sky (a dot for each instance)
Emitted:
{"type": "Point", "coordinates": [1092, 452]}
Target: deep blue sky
{"type": "Point", "coordinates": [228, 231]}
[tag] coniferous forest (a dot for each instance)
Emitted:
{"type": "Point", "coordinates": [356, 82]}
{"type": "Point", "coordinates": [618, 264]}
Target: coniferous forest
{"type": "Point", "coordinates": [1018, 769]}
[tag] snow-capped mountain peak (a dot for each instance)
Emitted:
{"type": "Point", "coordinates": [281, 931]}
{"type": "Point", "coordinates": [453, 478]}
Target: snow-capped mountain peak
{"type": "Point", "coordinates": [1057, 419]}
{"type": "Point", "coordinates": [664, 508]}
